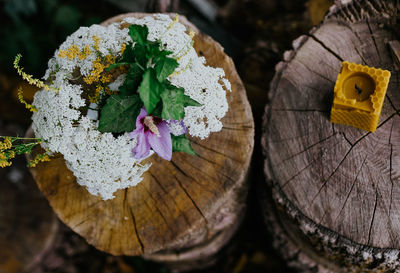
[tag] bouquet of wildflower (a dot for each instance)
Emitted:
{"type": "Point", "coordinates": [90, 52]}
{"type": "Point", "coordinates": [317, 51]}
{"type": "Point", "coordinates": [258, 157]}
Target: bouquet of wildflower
{"type": "Point", "coordinates": [115, 95]}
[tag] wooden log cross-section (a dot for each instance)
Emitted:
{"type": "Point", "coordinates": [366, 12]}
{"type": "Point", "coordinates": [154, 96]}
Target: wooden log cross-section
{"type": "Point", "coordinates": [335, 188]}
{"type": "Point", "coordinates": [184, 210]}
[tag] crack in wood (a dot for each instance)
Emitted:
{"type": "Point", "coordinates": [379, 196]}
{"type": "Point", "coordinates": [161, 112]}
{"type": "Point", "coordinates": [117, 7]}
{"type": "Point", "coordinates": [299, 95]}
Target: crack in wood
{"type": "Point", "coordinates": [326, 47]}
{"type": "Point", "coordinates": [207, 174]}
{"type": "Point", "coordinates": [235, 129]}
{"type": "Point", "coordinates": [191, 199]}
{"type": "Point", "coordinates": [298, 173]}
{"type": "Point", "coordinates": [374, 40]}
{"type": "Point", "coordinates": [215, 151]}
{"type": "Point", "coordinates": [242, 128]}
{"type": "Point", "coordinates": [386, 120]}
{"type": "Point", "coordinates": [390, 232]}
{"type": "Point", "coordinates": [325, 182]}
{"type": "Point", "coordinates": [192, 178]}
{"type": "Point", "coordinates": [157, 208]}
{"type": "Point", "coordinates": [373, 216]}
{"type": "Point", "coordinates": [80, 223]}
{"type": "Point", "coordinates": [67, 216]}
{"type": "Point", "coordinates": [300, 110]}
{"type": "Point", "coordinates": [315, 72]}
{"type": "Point", "coordinates": [136, 231]}
{"type": "Point", "coordinates": [306, 149]}
{"type": "Point", "coordinates": [391, 103]}
{"type": "Point", "coordinates": [173, 200]}
{"type": "Point", "coordinates": [209, 161]}
{"type": "Point", "coordinates": [351, 189]}
{"type": "Point", "coordinates": [345, 137]}
{"type": "Point", "coordinates": [391, 169]}
{"type": "Point", "coordinates": [110, 237]}
{"type": "Point", "coordinates": [125, 194]}
{"type": "Point", "coordinates": [355, 47]}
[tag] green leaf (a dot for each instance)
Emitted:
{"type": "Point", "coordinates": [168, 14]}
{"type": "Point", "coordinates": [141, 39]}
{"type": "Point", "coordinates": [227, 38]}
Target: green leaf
{"type": "Point", "coordinates": [139, 51]}
{"type": "Point", "coordinates": [173, 107]}
{"type": "Point", "coordinates": [153, 49]}
{"type": "Point", "coordinates": [188, 101]}
{"type": "Point", "coordinates": [132, 81]}
{"type": "Point", "coordinates": [150, 90]}
{"type": "Point", "coordinates": [128, 55]}
{"type": "Point", "coordinates": [182, 144]}
{"type": "Point", "coordinates": [154, 52]}
{"type": "Point", "coordinates": [119, 114]}
{"type": "Point", "coordinates": [112, 66]}
{"type": "Point", "coordinates": [165, 67]}
{"type": "Point", "coordinates": [138, 33]}
{"type": "Point", "coordinates": [158, 110]}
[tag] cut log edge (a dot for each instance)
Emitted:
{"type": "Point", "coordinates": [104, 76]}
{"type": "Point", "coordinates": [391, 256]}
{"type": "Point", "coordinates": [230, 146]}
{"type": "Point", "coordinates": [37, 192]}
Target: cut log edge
{"type": "Point", "coordinates": [229, 211]}
{"type": "Point", "coordinates": [330, 243]}
{"type": "Point", "coordinates": [350, 11]}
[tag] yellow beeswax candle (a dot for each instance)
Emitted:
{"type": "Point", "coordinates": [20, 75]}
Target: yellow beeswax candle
{"type": "Point", "coordinates": [358, 96]}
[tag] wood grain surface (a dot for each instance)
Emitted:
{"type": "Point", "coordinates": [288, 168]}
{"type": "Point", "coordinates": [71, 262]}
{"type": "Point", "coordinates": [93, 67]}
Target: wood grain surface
{"type": "Point", "coordinates": [339, 182]}
{"type": "Point", "coordinates": [180, 204]}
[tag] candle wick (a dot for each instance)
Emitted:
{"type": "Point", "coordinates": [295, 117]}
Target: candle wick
{"type": "Point", "coordinates": [359, 90]}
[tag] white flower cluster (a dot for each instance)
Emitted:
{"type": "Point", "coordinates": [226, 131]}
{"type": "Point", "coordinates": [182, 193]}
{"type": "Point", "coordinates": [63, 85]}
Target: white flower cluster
{"type": "Point", "coordinates": [101, 162]}
{"type": "Point", "coordinates": [201, 82]}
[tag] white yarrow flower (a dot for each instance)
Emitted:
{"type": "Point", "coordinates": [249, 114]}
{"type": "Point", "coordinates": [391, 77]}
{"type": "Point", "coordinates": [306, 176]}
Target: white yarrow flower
{"type": "Point", "coordinates": [101, 162]}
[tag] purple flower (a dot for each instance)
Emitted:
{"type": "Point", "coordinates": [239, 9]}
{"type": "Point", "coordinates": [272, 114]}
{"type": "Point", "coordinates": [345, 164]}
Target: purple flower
{"type": "Point", "coordinates": [151, 132]}
{"type": "Point", "coordinates": [177, 127]}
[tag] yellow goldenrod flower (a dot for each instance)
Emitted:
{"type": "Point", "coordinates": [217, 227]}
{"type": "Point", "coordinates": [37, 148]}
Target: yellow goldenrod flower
{"type": "Point", "coordinates": [176, 20]}
{"type": "Point", "coordinates": [106, 78]}
{"type": "Point", "coordinates": [39, 158]}
{"type": "Point", "coordinates": [95, 98]}
{"type": "Point", "coordinates": [182, 70]}
{"type": "Point", "coordinates": [96, 42]}
{"type": "Point", "coordinates": [62, 53]}
{"type": "Point", "coordinates": [7, 142]}
{"type": "Point", "coordinates": [99, 65]}
{"type": "Point", "coordinates": [85, 52]}
{"type": "Point", "coordinates": [110, 59]}
{"type": "Point", "coordinates": [123, 47]}
{"type": "Point", "coordinates": [192, 33]}
{"type": "Point", "coordinates": [29, 78]}
{"type": "Point", "coordinates": [5, 163]}
{"type": "Point", "coordinates": [28, 106]}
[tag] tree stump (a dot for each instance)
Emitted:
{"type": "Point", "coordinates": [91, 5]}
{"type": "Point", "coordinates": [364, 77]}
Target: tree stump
{"type": "Point", "coordinates": [27, 225]}
{"type": "Point", "coordinates": [185, 209]}
{"type": "Point", "coordinates": [335, 188]}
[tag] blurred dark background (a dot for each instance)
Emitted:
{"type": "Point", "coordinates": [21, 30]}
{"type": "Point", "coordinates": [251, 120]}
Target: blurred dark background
{"type": "Point", "coordinates": [255, 33]}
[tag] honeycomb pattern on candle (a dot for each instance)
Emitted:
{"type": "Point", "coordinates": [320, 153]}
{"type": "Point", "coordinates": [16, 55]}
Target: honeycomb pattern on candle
{"type": "Point", "coordinates": [356, 107]}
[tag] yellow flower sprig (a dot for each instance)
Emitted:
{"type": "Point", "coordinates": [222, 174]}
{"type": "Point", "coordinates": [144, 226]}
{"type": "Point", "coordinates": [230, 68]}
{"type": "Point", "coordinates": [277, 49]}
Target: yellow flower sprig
{"type": "Point", "coordinates": [73, 51]}
{"type": "Point", "coordinates": [29, 78]}
{"type": "Point", "coordinates": [187, 50]}
{"type": "Point", "coordinates": [176, 73]}
{"type": "Point", "coordinates": [176, 20]}
{"type": "Point", "coordinates": [96, 41]}
{"type": "Point", "coordinates": [11, 146]}
{"type": "Point", "coordinates": [28, 106]}
{"type": "Point", "coordinates": [38, 158]}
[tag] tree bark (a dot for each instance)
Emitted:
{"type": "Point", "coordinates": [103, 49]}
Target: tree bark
{"type": "Point", "coordinates": [335, 186]}
{"type": "Point", "coordinates": [185, 209]}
